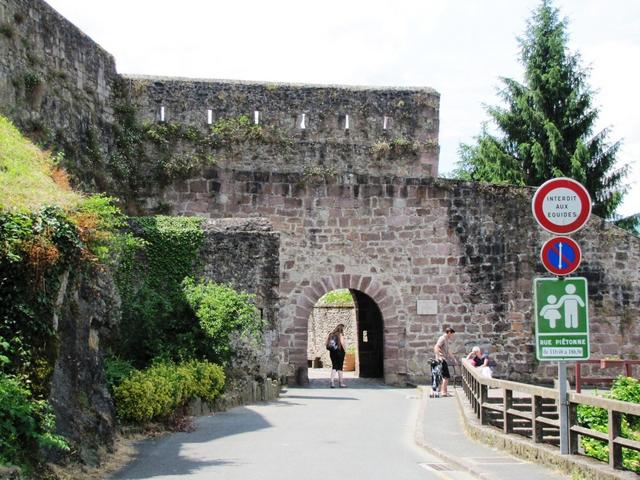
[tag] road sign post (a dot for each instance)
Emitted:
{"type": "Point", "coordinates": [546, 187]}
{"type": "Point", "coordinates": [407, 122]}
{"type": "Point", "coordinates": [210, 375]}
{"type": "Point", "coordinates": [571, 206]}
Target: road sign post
{"type": "Point", "coordinates": [561, 206]}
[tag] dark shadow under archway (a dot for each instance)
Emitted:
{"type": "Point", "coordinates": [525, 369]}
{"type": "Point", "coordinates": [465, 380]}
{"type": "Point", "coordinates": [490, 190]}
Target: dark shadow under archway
{"type": "Point", "coordinates": [370, 336]}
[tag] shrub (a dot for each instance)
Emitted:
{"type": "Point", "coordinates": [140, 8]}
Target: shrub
{"type": "Point", "coordinates": [222, 311]}
{"type": "Point", "coordinates": [157, 392]}
{"type": "Point", "coordinates": [116, 370]}
{"type": "Point", "coordinates": [25, 425]}
{"type": "Point", "coordinates": [626, 389]}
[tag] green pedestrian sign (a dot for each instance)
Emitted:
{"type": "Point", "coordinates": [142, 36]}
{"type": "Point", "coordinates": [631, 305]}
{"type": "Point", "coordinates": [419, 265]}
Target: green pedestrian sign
{"type": "Point", "coordinates": [562, 318]}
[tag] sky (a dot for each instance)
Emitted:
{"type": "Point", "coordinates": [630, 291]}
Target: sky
{"type": "Point", "coordinates": [460, 48]}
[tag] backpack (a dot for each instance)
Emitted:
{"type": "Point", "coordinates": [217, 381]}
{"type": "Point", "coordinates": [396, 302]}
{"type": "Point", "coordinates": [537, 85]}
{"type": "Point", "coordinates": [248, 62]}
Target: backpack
{"type": "Point", "coordinates": [332, 346]}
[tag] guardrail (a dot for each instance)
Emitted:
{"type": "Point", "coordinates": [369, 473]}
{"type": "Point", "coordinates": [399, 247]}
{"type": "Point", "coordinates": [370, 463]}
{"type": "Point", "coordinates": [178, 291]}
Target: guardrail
{"type": "Point", "coordinates": [532, 411]}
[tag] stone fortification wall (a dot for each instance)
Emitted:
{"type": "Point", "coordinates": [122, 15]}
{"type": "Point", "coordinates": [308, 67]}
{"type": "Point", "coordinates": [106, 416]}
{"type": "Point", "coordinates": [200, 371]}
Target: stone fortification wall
{"type": "Point", "coordinates": [125, 135]}
{"type": "Point", "coordinates": [389, 129]}
{"type": "Point", "coordinates": [244, 253]}
{"type": "Point", "coordinates": [322, 322]}
{"type": "Point", "coordinates": [56, 83]}
{"type": "Point", "coordinates": [472, 248]}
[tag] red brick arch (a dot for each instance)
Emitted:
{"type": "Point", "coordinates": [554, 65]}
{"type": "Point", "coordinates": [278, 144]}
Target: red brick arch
{"type": "Point", "coordinates": [384, 296]}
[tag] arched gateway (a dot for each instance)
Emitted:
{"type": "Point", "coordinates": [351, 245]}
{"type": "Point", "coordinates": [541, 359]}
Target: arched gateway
{"type": "Point", "coordinates": [375, 320]}
{"type": "Point", "coordinates": [347, 180]}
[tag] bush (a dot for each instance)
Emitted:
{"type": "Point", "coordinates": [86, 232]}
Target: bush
{"type": "Point", "coordinates": [116, 370]}
{"type": "Point", "coordinates": [222, 311]}
{"type": "Point", "coordinates": [25, 424]}
{"type": "Point", "coordinates": [626, 389]}
{"type": "Point", "coordinates": [157, 392]}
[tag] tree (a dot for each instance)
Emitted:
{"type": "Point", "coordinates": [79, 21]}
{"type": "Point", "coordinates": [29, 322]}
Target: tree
{"type": "Point", "coordinates": [548, 122]}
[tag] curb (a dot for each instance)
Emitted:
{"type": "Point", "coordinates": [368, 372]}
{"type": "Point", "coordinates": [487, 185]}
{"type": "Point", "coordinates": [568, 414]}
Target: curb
{"type": "Point", "coordinates": [420, 441]}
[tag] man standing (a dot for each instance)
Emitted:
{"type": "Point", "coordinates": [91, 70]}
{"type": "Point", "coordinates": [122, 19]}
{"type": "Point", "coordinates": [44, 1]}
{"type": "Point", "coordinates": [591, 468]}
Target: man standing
{"type": "Point", "coordinates": [442, 354]}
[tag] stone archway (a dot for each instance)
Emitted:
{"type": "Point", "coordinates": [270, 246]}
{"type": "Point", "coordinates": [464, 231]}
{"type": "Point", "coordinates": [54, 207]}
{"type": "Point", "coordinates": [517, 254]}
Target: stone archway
{"type": "Point", "coordinates": [379, 295]}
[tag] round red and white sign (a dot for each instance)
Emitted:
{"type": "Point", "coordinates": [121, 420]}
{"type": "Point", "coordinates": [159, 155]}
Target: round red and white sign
{"type": "Point", "coordinates": [561, 205]}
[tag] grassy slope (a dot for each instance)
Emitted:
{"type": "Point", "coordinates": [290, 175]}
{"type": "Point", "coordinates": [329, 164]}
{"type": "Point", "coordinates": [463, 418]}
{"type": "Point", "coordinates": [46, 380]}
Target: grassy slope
{"type": "Point", "coordinates": [28, 177]}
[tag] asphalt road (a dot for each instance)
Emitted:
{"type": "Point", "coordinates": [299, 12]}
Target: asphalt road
{"type": "Point", "coordinates": [365, 431]}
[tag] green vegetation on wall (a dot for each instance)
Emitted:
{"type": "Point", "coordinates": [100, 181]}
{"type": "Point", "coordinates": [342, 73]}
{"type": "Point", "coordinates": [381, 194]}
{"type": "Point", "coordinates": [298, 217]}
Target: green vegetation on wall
{"type": "Point", "coordinates": [156, 321]}
{"type": "Point", "coordinates": [162, 152]}
{"type": "Point", "coordinates": [166, 314]}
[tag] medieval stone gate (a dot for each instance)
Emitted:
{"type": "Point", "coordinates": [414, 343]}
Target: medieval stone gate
{"type": "Point", "coordinates": [345, 179]}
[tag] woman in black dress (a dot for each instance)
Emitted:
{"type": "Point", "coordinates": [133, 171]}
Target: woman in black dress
{"type": "Point", "coordinates": [337, 349]}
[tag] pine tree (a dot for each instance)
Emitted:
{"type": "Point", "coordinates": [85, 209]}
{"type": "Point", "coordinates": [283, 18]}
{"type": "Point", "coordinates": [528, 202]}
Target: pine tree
{"type": "Point", "coordinates": [548, 122]}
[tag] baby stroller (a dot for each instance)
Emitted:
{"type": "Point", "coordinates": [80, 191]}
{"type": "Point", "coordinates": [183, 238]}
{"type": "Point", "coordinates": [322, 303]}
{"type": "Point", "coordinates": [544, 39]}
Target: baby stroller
{"type": "Point", "coordinates": [436, 378]}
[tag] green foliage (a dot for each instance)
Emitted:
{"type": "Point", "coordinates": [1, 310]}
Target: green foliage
{"type": "Point", "coordinates": [116, 370]}
{"type": "Point", "coordinates": [156, 321]}
{"type": "Point", "coordinates": [235, 130]}
{"type": "Point", "coordinates": [34, 249]}
{"type": "Point", "coordinates": [25, 424]}
{"type": "Point", "coordinates": [626, 389]}
{"type": "Point", "coordinates": [31, 81]}
{"type": "Point", "coordinates": [100, 221]}
{"type": "Point", "coordinates": [157, 392]}
{"type": "Point", "coordinates": [221, 312]}
{"type": "Point", "coordinates": [630, 224]}
{"type": "Point", "coordinates": [547, 125]}
{"type": "Point", "coordinates": [341, 296]}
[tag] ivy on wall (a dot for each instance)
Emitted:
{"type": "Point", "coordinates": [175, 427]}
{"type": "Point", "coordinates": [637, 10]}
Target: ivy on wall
{"type": "Point", "coordinates": [156, 321]}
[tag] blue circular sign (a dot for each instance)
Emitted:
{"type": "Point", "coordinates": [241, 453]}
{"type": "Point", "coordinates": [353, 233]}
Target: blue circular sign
{"type": "Point", "coordinates": [561, 255]}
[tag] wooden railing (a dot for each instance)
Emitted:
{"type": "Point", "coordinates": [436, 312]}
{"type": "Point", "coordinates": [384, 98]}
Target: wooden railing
{"type": "Point", "coordinates": [604, 363]}
{"type": "Point", "coordinates": [532, 411]}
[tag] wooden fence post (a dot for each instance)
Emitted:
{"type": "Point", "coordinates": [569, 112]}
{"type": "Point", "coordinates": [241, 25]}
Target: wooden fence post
{"type": "Point", "coordinates": [536, 411]}
{"type": "Point", "coordinates": [507, 424]}
{"type": "Point", "coordinates": [574, 442]}
{"type": "Point", "coordinates": [615, 451]}
{"type": "Point", "coordinates": [484, 418]}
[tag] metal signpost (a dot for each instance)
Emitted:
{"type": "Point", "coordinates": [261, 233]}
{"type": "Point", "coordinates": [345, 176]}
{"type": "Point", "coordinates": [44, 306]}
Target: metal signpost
{"type": "Point", "coordinates": [561, 206]}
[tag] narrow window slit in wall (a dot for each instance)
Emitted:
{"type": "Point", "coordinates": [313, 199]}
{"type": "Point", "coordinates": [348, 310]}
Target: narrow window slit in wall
{"type": "Point", "coordinates": [385, 123]}
{"type": "Point", "coordinates": [162, 114]}
{"type": "Point", "coordinates": [256, 117]}
{"type": "Point", "coordinates": [346, 122]}
{"type": "Point", "coordinates": [303, 122]}
{"type": "Point", "coordinates": [209, 117]}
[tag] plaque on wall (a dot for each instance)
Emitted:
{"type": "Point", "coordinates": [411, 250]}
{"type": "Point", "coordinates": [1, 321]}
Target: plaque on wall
{"type": "Point", "coordinates": [427, 307]}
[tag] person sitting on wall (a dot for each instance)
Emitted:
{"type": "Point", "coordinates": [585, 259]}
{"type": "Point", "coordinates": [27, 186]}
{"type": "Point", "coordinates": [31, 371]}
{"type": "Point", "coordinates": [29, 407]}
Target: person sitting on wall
{"type": "Point", "coordinates": [481, 361]}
